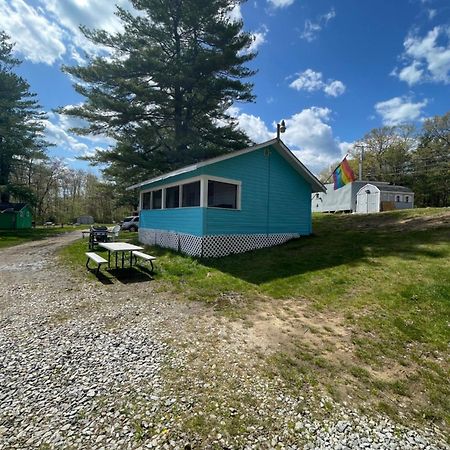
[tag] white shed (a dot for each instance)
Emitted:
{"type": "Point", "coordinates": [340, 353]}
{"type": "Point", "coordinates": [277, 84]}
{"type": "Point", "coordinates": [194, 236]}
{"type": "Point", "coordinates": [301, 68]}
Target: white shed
{"type": "Point", "coordinates": [372, 199]}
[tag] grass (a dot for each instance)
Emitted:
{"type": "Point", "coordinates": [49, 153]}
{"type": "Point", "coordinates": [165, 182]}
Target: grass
{"type": "Point", "coordinates": [386, 275]}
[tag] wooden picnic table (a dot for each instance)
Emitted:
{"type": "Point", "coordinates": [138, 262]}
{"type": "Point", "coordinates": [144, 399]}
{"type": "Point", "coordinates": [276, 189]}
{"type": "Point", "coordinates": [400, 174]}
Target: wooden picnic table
{"type": "Point", "coordinates": [119, 247]}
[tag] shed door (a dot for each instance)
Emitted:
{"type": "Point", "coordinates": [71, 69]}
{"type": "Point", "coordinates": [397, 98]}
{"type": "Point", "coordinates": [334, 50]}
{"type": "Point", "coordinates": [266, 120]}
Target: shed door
{"type": "Point", "coordinates": [373, 201]}
{"type": "Point", "coordinates": [368, 202]}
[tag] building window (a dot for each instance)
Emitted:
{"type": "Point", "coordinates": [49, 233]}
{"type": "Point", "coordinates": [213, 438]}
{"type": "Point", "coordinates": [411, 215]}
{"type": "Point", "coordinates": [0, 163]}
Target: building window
{"type": "Point", "coordinates": [222, 195]}
{"type": "Point", "coordinates": [191, 194]}
{"type": "Point", "coordinates": [173, 197]}
{"type": "Point", "coordinates": [146, 197]}
{"type": "Point", "coordinates": [157, 199]}
{"type": "Point", "coordinates": [407, 199]}
{"type": "Point", "coordinates": [397, 198]}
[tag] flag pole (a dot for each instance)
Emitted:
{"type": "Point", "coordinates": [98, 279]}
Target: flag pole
{"type": "Point", "coordinates": [335, 169]}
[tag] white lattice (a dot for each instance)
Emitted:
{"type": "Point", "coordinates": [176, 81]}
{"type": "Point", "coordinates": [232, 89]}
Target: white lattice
{"type": "Point", "coordinates": [192, 245]}
{"type": "Point", "coordinates": [212, 246]}
{"type": "Point", "coordinates": [221, 245]}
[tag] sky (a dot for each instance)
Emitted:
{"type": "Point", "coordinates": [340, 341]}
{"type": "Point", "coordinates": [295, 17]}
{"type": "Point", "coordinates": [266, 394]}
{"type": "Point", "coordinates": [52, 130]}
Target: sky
{"type": "Point", "coordinates": [332, 69]}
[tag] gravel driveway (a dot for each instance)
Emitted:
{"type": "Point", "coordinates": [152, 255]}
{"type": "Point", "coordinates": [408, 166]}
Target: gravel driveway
{"type": "Point", "coordinates": [85, 365]}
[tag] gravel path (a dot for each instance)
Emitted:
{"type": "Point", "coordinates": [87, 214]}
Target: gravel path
{"type": "Point", "coordinates": [90, 366]}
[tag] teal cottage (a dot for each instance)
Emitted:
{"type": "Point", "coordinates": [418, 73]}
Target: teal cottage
{"type": "Point", "coordinates": [252, 198]}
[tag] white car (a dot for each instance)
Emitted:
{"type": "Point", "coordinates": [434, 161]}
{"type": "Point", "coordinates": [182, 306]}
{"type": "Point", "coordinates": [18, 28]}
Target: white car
{"type": "Point", "coordinates": [130, 223]}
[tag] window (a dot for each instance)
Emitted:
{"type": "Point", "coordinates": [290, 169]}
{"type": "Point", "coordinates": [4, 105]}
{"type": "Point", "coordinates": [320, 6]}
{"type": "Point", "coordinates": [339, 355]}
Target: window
{"type": "Point", "coordinates": [146, 196]}
{"type": "Point", "coordinates": [191, 194]}
{"type": "Point", "coordinates": [157, 199]}
{"type": "Point", "coordinates": [397, 198]}
{"type": "Point", "coordinates": [173, 197]}
{"type": "Point", "coordinates": [407, 199]}
{"type": "Point", "coordinates": [222, 195]}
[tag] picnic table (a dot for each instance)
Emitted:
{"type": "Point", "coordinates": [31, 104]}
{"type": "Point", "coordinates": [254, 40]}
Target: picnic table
{"type": "Point", "coordinates": [119, 247]}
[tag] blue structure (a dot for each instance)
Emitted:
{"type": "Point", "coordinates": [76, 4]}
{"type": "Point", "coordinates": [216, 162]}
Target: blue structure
{"type": "Point", "coordinates": [240, 201]}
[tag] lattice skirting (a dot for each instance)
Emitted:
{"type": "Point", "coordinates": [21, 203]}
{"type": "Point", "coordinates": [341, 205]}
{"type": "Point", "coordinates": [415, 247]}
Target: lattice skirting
{"type": "Point", "coordinates": [212, 246]}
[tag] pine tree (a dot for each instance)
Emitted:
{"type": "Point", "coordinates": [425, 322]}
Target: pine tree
{"type": "Point", "coordinates": [164, 91]}
{"type": "Point", "coordinates": [21, 124]}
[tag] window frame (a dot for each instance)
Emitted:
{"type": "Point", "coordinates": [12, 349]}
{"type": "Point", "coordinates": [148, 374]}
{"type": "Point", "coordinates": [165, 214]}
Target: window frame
{"type": "Point", "coordinates": [203, 179]}
{"type": "Point", "coordinates": [236, 183]}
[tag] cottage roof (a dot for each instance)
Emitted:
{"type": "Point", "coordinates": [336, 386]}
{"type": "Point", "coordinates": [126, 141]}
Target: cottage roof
{"type": "Point", "coordinates": [12, 207]}
{"type": "Point", "coordinates": [282, 149]}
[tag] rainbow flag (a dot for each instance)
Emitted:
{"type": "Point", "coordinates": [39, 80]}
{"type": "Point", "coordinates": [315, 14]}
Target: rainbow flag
{"type": "Point", "coordinates": [343, 174]}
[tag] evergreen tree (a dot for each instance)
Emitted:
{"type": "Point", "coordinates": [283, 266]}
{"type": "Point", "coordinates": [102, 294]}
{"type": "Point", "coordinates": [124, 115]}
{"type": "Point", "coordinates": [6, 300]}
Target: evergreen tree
{"type": "Point", "coordinates": [164, 91]}
{"type": "Point", "coordinates": [20, 123]}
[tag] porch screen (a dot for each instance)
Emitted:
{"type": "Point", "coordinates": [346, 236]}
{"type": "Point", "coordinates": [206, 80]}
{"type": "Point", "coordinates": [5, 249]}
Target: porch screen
{"type": "Point", "coordinates": [146, 200]}
{"type": "Point", "coordinates": [222, 195]}
{"type": "Point", "coordinates": [173, 197]}
{"type": "Point", "coordinates": [157, 199]}
{"type": "Point", "coordinates": [191, 194]}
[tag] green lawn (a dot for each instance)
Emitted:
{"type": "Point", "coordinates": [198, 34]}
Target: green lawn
{"type": "Point", "coordinates": [387, 276]}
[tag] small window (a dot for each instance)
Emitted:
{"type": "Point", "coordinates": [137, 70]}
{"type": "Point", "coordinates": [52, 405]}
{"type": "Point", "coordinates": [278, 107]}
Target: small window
{"type": "Point", "coordinates": [222, 195]}
{"type": "Point", "coordinates": [157, 199]}
{"type": "Point", "coordinates": [146, 196]}
{"type": "Point", "coordinates": [191, 194]}
{"type": "Point", "coordinates": [173, 197]}
{"type": "Point", "coordinates": [397, 198]}
{"type": "Point", "coordinates": [407, 199]}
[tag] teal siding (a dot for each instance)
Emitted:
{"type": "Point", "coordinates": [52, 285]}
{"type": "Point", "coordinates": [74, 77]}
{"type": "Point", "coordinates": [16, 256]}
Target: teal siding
{"type": "Point", "coordinates": [289, 199]}
{"type": "Point", "coordinates": [181, 220]}
{"type": "Point", "coordinates": [274, 199]}
{"type": "Point", "coordinates": [251, 169]}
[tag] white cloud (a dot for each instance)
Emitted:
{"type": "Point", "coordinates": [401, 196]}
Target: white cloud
{"type": "Point", "coordinates": [428, 59]}
{"type": "Point", "coordinates": [311, 29]}
{"type": "Point", "coordinates": [36, 38]}
{"type": "Point", "coordinates": [259, 38]}
{"type": "Point", "coordinates": [308, 134]}
{"type": "Point", "coordinates": [280, 3]}
{"type": "Point", "coordinates": [235, 15]}
{"type": "Point", "coordinates": [399, 110]}
{"type": "Point", "coordinates": [335, 88]}
{"type": "Point", "coordinates": [311, 81]}
{"type": "Point", "coordinates": [431, 13]}
{"type": "Point", "coordinates": [57, 132]}
{"type": "Point", "coordinates": [411, 74]}
{"type": "Point", "coordinates": [43, 34]}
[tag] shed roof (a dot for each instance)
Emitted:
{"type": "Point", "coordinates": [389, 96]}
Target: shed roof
{"type": "Point", "coordinates": [282, 149]}
{"type": "Point", "coordinates": [11, 207]}
{"type": "Point", "coordinates": [390, 187]}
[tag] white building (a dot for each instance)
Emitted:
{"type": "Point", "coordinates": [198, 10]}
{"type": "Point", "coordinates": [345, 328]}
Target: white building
{"type": "Point", "coordinates": [382, 196]}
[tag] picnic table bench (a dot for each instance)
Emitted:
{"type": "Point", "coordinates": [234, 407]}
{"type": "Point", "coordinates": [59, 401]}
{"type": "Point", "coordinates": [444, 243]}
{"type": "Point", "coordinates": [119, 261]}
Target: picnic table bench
{"type": "Point", "coordinates": [144, 256]}
{"type": "Point", "coordinates": [97, 259]}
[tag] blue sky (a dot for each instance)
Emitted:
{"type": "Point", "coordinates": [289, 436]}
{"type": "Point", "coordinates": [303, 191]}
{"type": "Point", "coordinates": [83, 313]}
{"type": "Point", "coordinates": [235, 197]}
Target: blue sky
{"type": "Point", "coordinates": [333, 70]}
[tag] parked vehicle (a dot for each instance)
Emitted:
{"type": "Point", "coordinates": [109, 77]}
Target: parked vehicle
{"type": "Point", "coordinates": [130, 223]}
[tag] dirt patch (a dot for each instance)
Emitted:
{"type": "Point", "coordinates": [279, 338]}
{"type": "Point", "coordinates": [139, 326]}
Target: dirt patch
{"type": "Point", "coordinates": [291, 325]}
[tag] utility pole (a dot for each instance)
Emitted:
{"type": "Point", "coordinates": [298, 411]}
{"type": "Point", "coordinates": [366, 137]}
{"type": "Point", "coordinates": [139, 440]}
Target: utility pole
{"type": "Point", "coordinates": [360, 163]}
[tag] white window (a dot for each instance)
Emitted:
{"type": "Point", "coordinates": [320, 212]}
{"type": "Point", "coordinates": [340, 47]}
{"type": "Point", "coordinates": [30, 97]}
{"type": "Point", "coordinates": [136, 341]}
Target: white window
{"type": "Point", "coordinates": [146, 200]}
{"type": "Point", "coordinates": [407, 199]}
{"type": "Point", "coordinates": [157, 199]}
{"type": "Point", "coordinates": [172, 197]}
{"type": "Point", "coordinates": [191, 194]}
{"type": "Point", "coordinates": [397, 198]}
{"type": "Point", "coordinates": [222, 195]}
